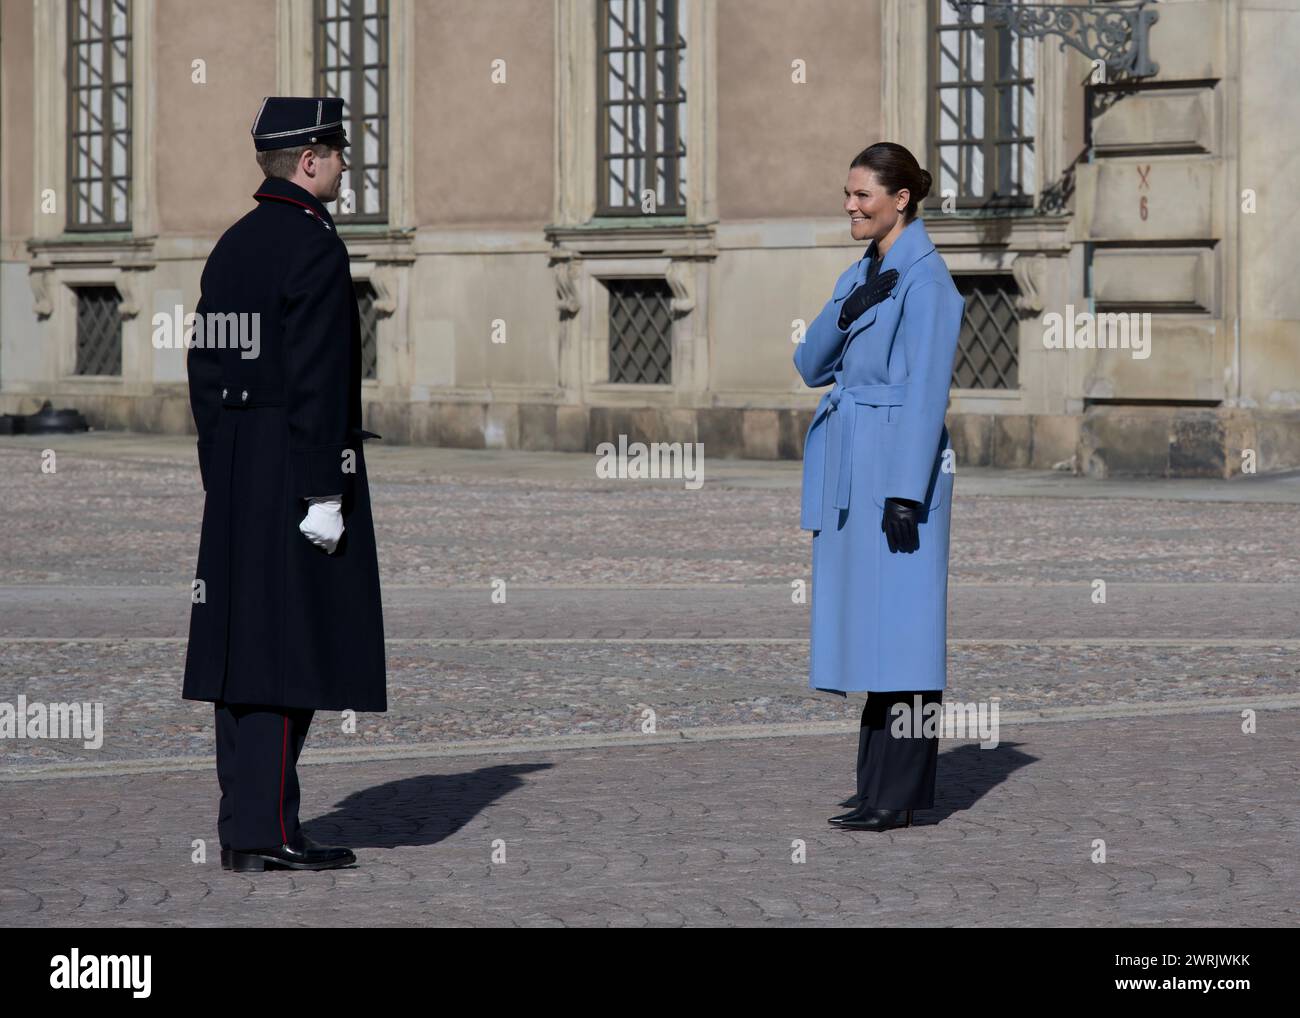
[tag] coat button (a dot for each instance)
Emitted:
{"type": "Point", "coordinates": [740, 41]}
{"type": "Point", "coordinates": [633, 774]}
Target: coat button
{"type": "Point", "coordinates": [223, 393]}
{"type": "Point", "coordinates": [244, 395]}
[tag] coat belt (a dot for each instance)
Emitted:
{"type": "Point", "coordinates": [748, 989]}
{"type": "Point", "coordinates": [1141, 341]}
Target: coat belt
{"type": "Point", "coordinates": [818, 456]}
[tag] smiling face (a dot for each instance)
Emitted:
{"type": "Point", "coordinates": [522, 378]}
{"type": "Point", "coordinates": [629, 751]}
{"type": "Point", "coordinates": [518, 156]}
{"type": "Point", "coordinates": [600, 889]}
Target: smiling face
{"type": "Point", "coordinates": [874, 213]}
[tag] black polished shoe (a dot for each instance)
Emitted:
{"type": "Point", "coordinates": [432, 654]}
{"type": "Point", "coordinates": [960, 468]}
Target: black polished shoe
{"type": "Point", "coordinates": [303, 854]}
{"type": "Point", "coordinates": [859, 809]}
{"type": "Point", "coordinates": [225, 859]}
{"type": "Point", "coordinates": [877, 820]}
{"type": "Point", "coordinates": [852, 802]}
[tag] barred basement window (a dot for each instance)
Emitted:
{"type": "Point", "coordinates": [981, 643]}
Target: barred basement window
{"type": "Point", "coordinates": [982, 112]}
{"type": "Point", "coordinates": [988, 349]}
{"type": "Point", "coordinates": [99, 114]}
{"type": "Point", "coordinates": [640, 331]}
{"type": "Point", "coordinates": [365, 292]}
{"type": "Point", "coordinates": [641, 106]}
{"type": "Point", "coordinates": [99, 330]}
{"type": "Point", "coordinates": [352, 64]}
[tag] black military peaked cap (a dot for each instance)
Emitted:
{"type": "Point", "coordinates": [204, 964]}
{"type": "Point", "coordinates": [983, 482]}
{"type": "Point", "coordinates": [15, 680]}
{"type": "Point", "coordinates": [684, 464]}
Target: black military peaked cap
{"type": "Point", "coordinates": [293, 121]}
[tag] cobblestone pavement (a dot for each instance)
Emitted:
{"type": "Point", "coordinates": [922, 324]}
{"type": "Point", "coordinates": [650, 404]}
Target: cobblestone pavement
{"type": "Point", "coordinates": [1198, 823]}
{"type": "Point", "coordinates": [522, 721]}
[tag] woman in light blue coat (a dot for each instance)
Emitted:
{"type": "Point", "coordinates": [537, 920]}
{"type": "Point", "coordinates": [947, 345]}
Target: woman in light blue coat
{"type": "Point", "coordinates": [877, 484]}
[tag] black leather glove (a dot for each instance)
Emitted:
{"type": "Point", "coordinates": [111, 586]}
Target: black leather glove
{"type": "Point", "coordinates": [866, 296]}
{"type": "Point", "coordinates": [899, 524]}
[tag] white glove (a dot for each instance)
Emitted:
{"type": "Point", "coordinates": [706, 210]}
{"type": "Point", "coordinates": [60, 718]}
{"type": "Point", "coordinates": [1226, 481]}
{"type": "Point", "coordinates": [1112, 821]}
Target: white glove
{"type": "Point", "coordinates": [323, 524]}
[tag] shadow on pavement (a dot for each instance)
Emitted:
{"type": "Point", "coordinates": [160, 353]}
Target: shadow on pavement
{"type": "Point", "coordinates": [967, 773]}
{"type": "Point", "coordinates": [416, 811]}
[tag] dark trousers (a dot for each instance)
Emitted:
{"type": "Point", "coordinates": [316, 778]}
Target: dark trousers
{"type": "Point", "coordinates": [257, 758]}
{"type": "Point", "coordinates": [896, 773]}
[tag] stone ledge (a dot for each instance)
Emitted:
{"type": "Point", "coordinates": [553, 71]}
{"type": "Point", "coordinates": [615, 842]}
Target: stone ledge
{"type": "Point", "coordinates": [1105, 441]}
{"type": "Point", "coordinates": [1132, 441]}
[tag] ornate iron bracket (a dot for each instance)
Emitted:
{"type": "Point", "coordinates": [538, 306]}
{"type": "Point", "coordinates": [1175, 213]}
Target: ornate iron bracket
{"type": "Point", "coordinates": [1114, 34]}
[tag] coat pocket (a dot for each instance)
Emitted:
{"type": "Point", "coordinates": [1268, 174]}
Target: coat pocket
{"type": "Point", "coordinates": [887, 441]}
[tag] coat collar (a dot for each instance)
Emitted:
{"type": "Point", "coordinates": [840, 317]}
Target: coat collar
{"type": "Point", "coordinates": [909, 247]}
{"type": "Point", "coordinates": [278, 189]}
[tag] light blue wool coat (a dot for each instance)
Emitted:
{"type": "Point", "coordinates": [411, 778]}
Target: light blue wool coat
{"type": "Point", "coordinates": [879, 618]}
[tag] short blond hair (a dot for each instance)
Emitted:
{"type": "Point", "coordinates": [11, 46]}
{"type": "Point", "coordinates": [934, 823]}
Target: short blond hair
{"type": "Point", "coordinates": [283, 162]}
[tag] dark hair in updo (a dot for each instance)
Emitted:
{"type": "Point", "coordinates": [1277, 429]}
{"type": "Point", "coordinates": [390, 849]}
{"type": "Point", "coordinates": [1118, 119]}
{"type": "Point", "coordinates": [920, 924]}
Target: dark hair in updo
{"type": "Point", "coordinates": [896, 168]}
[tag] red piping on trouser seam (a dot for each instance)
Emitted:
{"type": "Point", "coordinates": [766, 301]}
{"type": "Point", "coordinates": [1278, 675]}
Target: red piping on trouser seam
{"type": "Point", "coordinates": [284, 753]}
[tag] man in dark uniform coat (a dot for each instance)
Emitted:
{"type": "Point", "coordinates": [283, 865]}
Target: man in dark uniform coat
{"type": "Point", "coordinates": [286, 617]}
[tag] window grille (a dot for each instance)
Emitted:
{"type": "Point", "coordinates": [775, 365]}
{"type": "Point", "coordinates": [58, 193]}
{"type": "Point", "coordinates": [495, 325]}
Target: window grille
{"type": "Point", "coordinates": [99, 330]}
{"type": "Point", "coordinates": [640, 331]}
{"type": "Point", "coordinates": [988, 349]}
{"type": "Point", "coordinates": [366, 297]}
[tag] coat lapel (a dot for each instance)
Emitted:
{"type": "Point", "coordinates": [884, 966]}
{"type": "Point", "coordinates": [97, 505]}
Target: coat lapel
{"type": "Point", "coordinates": [912, 245]}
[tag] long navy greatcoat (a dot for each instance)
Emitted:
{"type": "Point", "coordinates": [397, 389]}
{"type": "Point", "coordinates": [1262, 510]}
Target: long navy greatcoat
{"type": "Point", "coordinates": [281, 622]}
{"type": "Point", "coordinates": [879, 618]}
